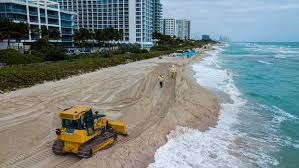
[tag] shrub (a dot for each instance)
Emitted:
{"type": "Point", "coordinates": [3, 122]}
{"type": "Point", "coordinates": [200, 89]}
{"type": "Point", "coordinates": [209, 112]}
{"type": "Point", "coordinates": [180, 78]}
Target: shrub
{"type": "Point", "coordinates": [161, 48]}
{"type": "Point", "coordinates": [107, 54]}
{"type": "Point", "coordinates": [131, 48]}
{"type": "Point", "coordinates": [53, 54]}
{"type": "Point", "coordinates": [14, 57]}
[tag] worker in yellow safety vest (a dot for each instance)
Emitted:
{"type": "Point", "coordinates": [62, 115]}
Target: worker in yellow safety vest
{"type": "Point", "coordinates": [161, 80]}
{"type": "Point", "coordinates": [173, 71]}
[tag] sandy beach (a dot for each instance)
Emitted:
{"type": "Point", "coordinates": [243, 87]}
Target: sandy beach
{"type": "Point", "coordinates": [129, 93]}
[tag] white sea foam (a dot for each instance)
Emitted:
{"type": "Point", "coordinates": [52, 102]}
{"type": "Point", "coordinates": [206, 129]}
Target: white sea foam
{"type": "Point", "coordinates": [287, 51]}
{"type": "Point", "coordinates": [281, 115]}
{"type": "Point", "coordinates": [264, 62]}
{"type": "Point", "coordinates": [296, 144]}
{"type": "Point", "coordinates": [280, 56]}
{"type": "Point", "coordinates": [279, 52]}
{"type": "Point", "coordinates": [217, 147]}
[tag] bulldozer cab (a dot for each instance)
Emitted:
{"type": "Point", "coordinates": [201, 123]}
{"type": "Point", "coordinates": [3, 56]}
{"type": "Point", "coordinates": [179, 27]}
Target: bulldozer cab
{"type": "Point", "coordinates": [80, 118]}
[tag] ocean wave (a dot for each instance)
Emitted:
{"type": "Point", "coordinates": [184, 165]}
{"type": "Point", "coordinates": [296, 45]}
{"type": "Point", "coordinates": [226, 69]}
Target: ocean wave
{"type": "Point", "coordinates": [266, 133]}
{"type": "Point", "coordinates": [259, 48]}
{"type": "Point", "coordinates": [264, 62]}
{"type": "Point", "coordinates": [296, 144]}
{"type": "Point", "coordinates": [190, 148]}
{"type": "Point", "coordinates": [288, 51]}
{"type": "Point", "coordinates": [280, 56]}
{"type": "Point", "coordinates": [222, 145]}
{"type": "Point", "coordinates": [281, 115]}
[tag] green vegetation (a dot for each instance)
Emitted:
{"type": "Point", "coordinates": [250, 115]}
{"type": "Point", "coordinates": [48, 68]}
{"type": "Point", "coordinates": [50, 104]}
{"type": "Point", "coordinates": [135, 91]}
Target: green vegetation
{"type": "Point", "coordinates": [20, 76]}
{"type": "Point", "coordinates": [12, 31]}
{"type": "Point", "coordinates": [14, 57]}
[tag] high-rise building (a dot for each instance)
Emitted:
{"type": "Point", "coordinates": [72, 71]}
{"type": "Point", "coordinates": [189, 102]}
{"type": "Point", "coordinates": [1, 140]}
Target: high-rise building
{"type": "Point", "coordinates": [178, 28]}
{"type": "Point", "coordinates": [39, 13]}
{"type": "Point", "coordinates": [157, 19]}
{"type": "Point", "coordinates": [133, 17]}
{"type": "Point", "coordinates": [205, 37]}
{"type": "Point", "coordinates": [169, 27]}
{"type": "Point", "coordinates": [183, 29]}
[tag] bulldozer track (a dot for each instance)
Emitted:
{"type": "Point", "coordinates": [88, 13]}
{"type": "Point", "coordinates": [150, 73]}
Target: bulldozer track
{"type": "Point", "coordinates": [84, 151]}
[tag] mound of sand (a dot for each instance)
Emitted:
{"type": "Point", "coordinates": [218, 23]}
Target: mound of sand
{"type": "Point", "coordinates": [130, 93]}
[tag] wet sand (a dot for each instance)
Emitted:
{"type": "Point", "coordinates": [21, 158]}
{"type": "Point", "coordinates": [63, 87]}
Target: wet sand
{"type": "Point", "coordinates": [130, 93]}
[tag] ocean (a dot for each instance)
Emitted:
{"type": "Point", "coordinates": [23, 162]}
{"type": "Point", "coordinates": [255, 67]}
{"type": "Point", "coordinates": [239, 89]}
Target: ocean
{"type": "Point", "coordinates": [257, 85]}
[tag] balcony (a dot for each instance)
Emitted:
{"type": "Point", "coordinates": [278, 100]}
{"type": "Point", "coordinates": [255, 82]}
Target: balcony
{"type": "Point", "coordinates": [53, 23]}
{"type": "Point", "coordinates": [31, 13]}
{"type": "Point", "coordinates": [52, 16]}
{"type": "Point", "coordinates": [66, 26]}
{"type": "Point", "coordinates": [19, 11]}
{"type": "Point", "coordinates": [67, 33]}
{"type": "Point", "coordinates": [67, 39]}
{"type": "Point", "coordinates": [34, 19]}
{"type": "Point", "coordinates": [24, 1]}
{"type": "Point", "coordinates": [66, 18]}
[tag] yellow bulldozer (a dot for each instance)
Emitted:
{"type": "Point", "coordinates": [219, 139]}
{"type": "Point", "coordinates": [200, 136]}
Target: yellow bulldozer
{"type": "Point", "coordinates": [85, 132]}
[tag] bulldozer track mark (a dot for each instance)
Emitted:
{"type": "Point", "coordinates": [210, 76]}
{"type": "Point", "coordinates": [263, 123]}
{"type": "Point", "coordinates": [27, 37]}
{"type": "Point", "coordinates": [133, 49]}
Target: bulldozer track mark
{"type": "Point", "coordinates": [30, 156]}
{"type": "Point", "coordinates": [67, 163]}
{"type": "Point", "coordinates": [19, 158]}
{"type": "Point", "coordinates": [33, 160]}
{"type": "Point", "coordinates": [146, 124]}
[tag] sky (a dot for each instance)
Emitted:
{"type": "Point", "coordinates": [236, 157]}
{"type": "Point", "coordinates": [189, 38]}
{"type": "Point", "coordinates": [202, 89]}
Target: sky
{"type": "Point", "coordinates": [241, 20]}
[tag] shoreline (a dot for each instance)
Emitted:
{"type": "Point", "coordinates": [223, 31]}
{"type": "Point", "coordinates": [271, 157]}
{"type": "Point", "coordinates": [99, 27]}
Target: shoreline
{"type": "Point", "coordinates": [127, 92]}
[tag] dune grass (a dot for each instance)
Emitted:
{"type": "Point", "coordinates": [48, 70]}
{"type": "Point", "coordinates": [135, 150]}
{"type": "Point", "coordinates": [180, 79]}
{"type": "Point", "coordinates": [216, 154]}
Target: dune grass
{"type": "Point", "coordinates": [21, 76]}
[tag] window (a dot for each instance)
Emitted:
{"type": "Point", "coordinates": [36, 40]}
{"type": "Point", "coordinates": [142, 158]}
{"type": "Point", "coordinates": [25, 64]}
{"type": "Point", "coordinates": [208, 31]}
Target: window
{"type": "Point", "coordinates": [73, 124]}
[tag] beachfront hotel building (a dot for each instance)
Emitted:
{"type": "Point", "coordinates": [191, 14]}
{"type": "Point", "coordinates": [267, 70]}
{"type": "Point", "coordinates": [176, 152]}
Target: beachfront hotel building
{"type": "Point", "coordinates": [183, 28]}
{"type": "Point", "coordinates": [169, 27]}
{"type": "Point", "coordinates": [177, 28]}
{"type": "Point", "coordinates": [157, 18]}
{"type": "Point", "coordinates": [135, 18]}
{"type": "Point", "coordinates": [38, 13]}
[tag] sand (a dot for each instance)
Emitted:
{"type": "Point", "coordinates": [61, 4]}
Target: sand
{"type": "Point", "coordinates": [129, 93]}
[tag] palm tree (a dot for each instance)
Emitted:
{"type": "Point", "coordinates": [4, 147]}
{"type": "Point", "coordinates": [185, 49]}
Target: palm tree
{"type": "Point", "coordinates": [81, 36]}
{"type": "Point", "coordinates": [118, 35]}
{"type": "Point", "coordinates": [103, 36]}
{"type": "Point", "coordinates": [99, 36]}
{"type": "Point", "coordinates": [4, 26]}
{"type": "Point", "coordinates": [21, 32]}
{"type": "Point", "coordinates": [44, 31]}
{"type": "Point", "coordinates": [92, 37]}
{"type": "Point", "coordinates": [77, 37]}
{"type": "Point", "coordinates": [55, 34]}
{"type": "Point", "coordinates": [10, 30]}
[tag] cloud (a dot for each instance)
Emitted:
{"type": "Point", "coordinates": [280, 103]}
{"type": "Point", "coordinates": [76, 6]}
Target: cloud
{"type": "Point", "coordinates": [232, 17]}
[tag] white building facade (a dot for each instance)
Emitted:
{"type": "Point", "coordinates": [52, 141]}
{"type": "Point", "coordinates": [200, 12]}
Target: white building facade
{"type": "Point", "coordinates": [183, 28]}
{"type": "Point", "coordinates": [157, 18]}
{"type": "Point", "coordinates": [38, 13]}
{"type": "Point", "coordinates": [177, 28]}
{"type": "Point", "coordinates": [133, 17]}
{"type": "Point", "coordinates": [169, 27]}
